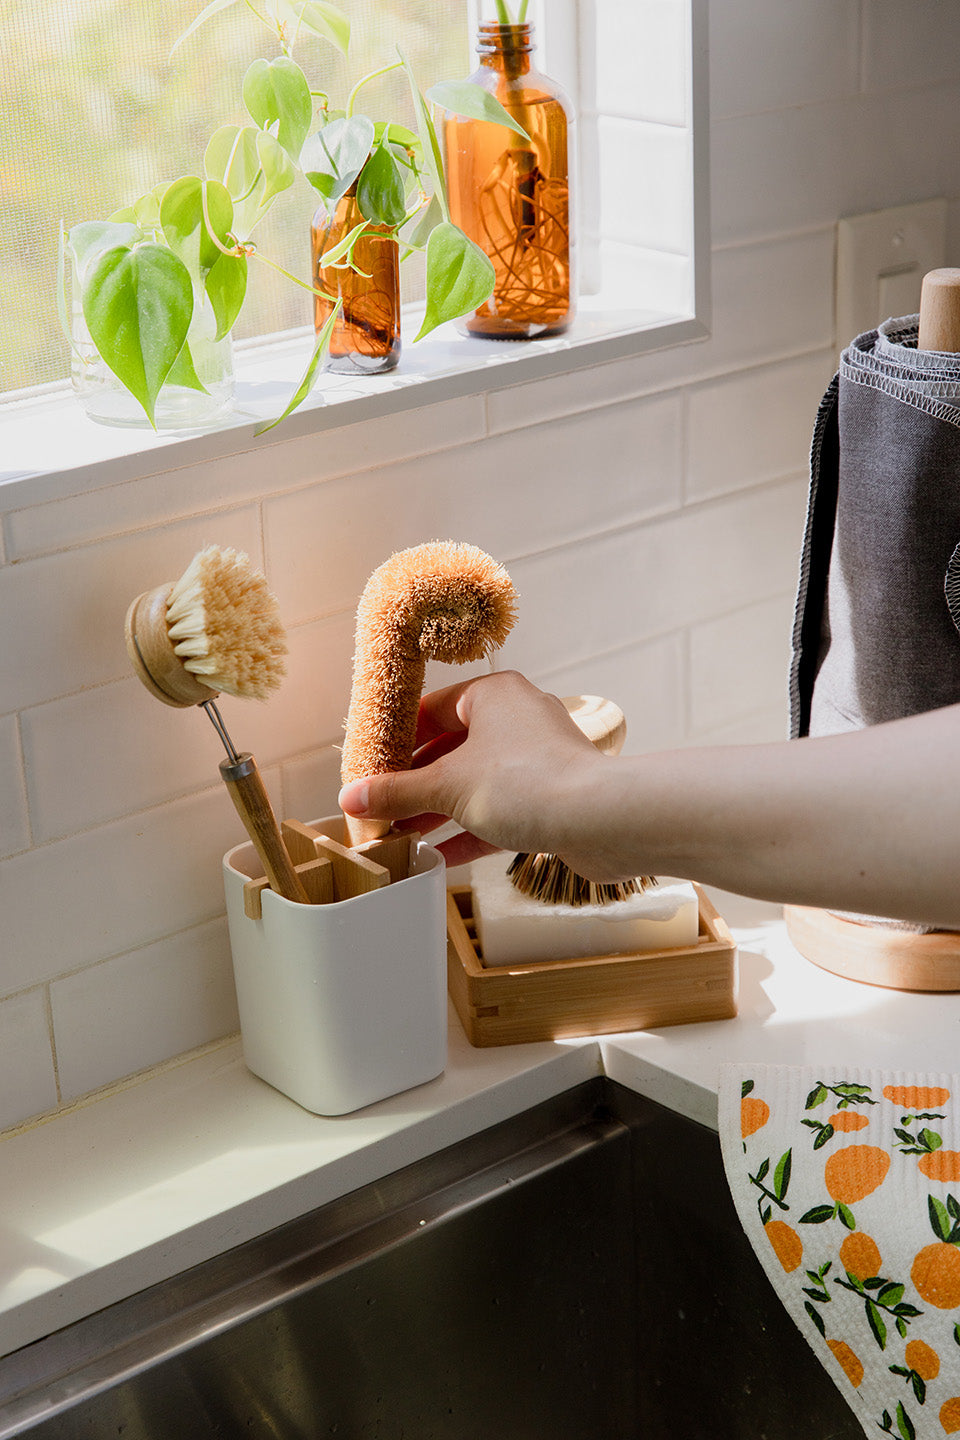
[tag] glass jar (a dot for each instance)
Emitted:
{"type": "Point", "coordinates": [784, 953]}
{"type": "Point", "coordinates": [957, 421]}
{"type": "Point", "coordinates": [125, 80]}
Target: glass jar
{"type": "Point", "coordinates": [512, 196]}
{"type": "Point", "coordinates": [178, 407]}
{"type": "Point", "coordinates": [366, 336]}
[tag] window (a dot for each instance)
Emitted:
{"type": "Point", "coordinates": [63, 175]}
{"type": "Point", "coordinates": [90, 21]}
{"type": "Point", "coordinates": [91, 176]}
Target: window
{"type": "Point", "coordinates": [94, 112]}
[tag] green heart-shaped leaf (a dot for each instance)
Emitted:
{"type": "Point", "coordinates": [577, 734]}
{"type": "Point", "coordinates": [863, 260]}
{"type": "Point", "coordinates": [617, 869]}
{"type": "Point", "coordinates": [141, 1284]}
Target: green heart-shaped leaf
{"type": "Point", "coordinates": [459, 276]}
{"type": "Point", "coordinates": [278, 169]}
{"type": "Point", "coordinates": [213, 8]}
{"type": "Point", "coordinates": [309, 377]}
{"type": "Point", "coordinates": [138, 303]}
{"type": "Point", "coordinates": [232, 158]}
{"type": "Point", "coordinates": [333, 157]}
{"type": "Point", "coordinates": [322, 18]}
{"type": "Point", "coordinates": [185, 227]}
{"type": "Point", "coordinates": [276, 93]}
{"type": "Point", "coordinates": [225, 285]}
{"type": "Point", "coordinates": [422, 226]}
{"type": "Point", "coordinates": [183, 371]}
{"type": "Point", "coordinates": [464, 97]}
{"type": "Point", "coordinates": [380, 189]}
{"type": "Point", "coordinates": [90, 239]}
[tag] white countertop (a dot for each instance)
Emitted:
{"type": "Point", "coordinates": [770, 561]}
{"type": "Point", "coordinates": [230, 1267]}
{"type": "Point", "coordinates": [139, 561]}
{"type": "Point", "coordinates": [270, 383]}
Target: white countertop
{"type": "Point", "coordinates": [128, 1190]}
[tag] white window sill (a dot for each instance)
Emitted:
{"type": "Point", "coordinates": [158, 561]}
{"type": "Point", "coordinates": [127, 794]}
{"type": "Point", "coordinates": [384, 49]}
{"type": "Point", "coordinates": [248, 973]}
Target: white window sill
{"type": "Point", "coordinates": [50, 449]}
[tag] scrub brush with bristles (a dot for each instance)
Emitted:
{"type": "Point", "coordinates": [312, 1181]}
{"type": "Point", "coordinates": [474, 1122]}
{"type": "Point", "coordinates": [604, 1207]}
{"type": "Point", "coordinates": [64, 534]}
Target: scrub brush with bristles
{"type": "Point", "coordinates": [217, 629]}
{"type": "Point", "coordinates": [546, 877]}
{"type": "Point", "coordinates": [439, 601]}
{"type": "Point", "coordinates": [225, 625]}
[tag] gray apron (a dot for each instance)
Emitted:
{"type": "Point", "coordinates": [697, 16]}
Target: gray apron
{"type": "Point", "coordinates": [873, 639]}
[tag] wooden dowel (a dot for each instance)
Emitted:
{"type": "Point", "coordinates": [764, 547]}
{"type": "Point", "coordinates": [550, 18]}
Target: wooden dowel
{"type": "Point", "coordinates": [940, 312]}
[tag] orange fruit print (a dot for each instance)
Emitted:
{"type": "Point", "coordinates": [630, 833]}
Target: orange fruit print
{"type": "Point", "coordinates": [787, 1245]}
{"type": "Point", "coordinates": [854, 1172]}
{"type": "Point", "coordinates": [916, 1097]}
{"type": "Point", "coordinates": [754, 1113]}
{"type": "Point", "coordinates": [859, 1256]}
{"type": "Point", "coordinates": [923, 1358]}
{"type": "Point", "coordinates": [848, 1120]}
{"type": "Point", "coordinates": [936, 1275]}
{"type": "Point", "coordinates": [940, 1165]}
{"type": "Point", "coordinates": [849, 1363]}
{"type": "Point", "coordinates": [950, 1415]}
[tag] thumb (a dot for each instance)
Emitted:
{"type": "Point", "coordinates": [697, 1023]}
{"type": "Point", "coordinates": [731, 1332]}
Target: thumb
{"type": "Point", "coordinates": [395, 796]}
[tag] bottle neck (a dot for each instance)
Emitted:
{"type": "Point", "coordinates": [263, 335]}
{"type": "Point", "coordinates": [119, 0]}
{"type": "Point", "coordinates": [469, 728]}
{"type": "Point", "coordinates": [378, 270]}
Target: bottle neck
{"type": "Point", "coordinates": [505, 48]}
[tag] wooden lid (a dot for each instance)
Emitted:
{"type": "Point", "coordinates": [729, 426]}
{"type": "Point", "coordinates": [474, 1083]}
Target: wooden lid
{"type": "Point", "coordinates": [940, 312]}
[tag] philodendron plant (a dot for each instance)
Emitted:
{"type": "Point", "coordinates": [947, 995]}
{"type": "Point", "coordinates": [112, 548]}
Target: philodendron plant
{"type": "Point", "coordinates": [144, 273]}
{"type": "Point", "coordinates": [401, 189]}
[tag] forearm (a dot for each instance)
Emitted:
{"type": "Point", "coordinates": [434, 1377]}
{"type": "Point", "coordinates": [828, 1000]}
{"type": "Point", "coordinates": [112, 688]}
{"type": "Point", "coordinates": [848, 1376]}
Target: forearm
{"type": "Point", "coordinates": [867, 822]}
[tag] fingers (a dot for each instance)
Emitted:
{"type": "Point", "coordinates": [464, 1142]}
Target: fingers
{"type": "Point", "coordinates": [461, 849]}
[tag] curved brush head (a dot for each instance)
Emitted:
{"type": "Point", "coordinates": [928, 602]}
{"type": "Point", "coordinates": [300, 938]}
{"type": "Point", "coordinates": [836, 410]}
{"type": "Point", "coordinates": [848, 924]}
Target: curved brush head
{"type": "Point", "coordinates": [215, 629]}
{"type": "Point", "coordinates": [440, 601]}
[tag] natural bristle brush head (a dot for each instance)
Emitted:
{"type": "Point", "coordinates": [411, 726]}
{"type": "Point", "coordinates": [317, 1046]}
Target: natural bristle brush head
{"type": "Point", "coordinates": [216, 629]}
{"type": "Point", "coordinates": [546, 877]}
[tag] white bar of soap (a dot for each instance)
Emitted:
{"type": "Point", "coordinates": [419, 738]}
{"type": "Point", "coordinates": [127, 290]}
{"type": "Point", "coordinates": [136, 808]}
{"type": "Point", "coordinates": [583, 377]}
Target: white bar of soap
{"type": "Point", "coordinates": [513, 929]}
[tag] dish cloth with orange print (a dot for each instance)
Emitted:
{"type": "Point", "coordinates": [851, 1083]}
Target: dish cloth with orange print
{"type": "Point", "coordinates": [847, 1183]}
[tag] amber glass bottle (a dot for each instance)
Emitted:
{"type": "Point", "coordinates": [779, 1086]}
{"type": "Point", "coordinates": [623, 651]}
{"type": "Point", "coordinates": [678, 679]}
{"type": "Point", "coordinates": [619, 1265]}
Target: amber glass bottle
{"type": "Point", "coordinates": [366, 337]}
{"type": "Point", "coordinates": [512, 196]}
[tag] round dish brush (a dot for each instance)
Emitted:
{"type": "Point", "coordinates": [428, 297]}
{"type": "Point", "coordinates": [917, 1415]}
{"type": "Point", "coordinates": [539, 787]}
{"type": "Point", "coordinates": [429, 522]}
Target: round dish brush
{"type": "Point", "coordinates": [440, 601]}
{"type": "Point", "coordinates": [217, 629]}
{"type": "Point", "coordinates": [546, 877]}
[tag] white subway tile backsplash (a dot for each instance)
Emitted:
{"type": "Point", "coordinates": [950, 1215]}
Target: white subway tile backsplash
{"type": "Point", "coordinates": [910, 45]}
{"type": "Point", "coordinates": [14, 826]}
{"type": "Point", "coordinates": [641, 59]}
{"type": "Point", "coordinates": [229, 481]}
{"type": "Point", "coordinates": [647, 682]}
{"type": "Point", "coordinates": [780, 168]}
{"type": "Point", "coordinates": [311, 784]}
{"type": "Point", "coordinates": [631, 585]}
{"type": "Point", "coordinates": [137, 1010]}
{"type": "Point", "coordinates": [112, 889]}
{"type": "Point", "coordinates": [509, 494]}
{"type": "Point", "coordinates": [739, 665]}
{"type": "Point", "coordinates": [28, 1083]}
{"type": "Point", "coordinates": [754, 426]}
{"type": "Point", "coordinates": [70, 608]}
{"type": "Point", "coordinates": [644, 189]}
{"type": "Point", "coordinates": [766, 56]}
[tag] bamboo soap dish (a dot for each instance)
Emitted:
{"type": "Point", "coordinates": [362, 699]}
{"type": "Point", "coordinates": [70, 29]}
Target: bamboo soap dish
{"type": "Point", "coordinates": [599, 995]}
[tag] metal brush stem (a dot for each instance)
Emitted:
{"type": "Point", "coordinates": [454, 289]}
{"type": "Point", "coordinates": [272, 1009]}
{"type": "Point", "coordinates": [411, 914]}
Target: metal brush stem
{"type": "Point", "coordinates": [216, 720]}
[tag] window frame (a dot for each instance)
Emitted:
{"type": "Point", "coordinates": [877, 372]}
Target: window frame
{"type": "Point", "coordinates": [49, 447]}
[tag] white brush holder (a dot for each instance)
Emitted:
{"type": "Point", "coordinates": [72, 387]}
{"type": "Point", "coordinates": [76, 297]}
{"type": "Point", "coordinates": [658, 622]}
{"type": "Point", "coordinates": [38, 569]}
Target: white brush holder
{"type": "Point", "coordinates": [342, 1003]}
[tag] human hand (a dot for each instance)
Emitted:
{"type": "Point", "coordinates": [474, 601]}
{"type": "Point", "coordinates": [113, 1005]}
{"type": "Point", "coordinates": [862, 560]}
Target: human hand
{"type": "Point", "coordinates": [501, 758]}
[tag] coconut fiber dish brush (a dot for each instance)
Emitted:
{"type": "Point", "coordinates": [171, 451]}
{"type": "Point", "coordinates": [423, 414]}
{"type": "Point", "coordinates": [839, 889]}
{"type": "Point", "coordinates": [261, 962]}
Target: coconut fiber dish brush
{"type": "Point", "coordinates": [546, 877]}
{"type": "Point", "coordinates": [440, 601]}
{"type": "Point", "coordinates": [217, 629]}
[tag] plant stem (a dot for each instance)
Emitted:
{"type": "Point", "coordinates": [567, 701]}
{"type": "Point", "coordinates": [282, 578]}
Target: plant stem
{"type": "Point", "coordinates": [522, 13]}
{"type": "Point", "coordinates": [374, 74]}
{"type": "Point", "coordinates": [503, 14]}
{"type": "Point", "coordinates": [256, 255]}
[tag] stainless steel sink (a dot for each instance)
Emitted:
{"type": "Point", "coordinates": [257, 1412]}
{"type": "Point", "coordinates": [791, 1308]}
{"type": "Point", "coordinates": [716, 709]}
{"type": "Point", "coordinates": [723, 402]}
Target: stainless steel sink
{"type": "Point", "coordinates": [575, 1274]}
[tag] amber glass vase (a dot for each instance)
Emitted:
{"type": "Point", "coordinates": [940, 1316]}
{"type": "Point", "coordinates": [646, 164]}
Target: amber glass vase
{"type": "Point", "coordinates": [512, 196]}
{"type": "Point", "coordinates": [366, 337]}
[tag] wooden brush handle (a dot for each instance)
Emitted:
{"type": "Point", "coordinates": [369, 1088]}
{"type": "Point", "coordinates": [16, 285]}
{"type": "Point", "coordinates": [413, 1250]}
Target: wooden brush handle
{"type": "Point", "coordinates": [242, 779]}
{"type": "Point", "coordinates": [940, 311]}
{"type": "Point", "coordinates": [603, 722]}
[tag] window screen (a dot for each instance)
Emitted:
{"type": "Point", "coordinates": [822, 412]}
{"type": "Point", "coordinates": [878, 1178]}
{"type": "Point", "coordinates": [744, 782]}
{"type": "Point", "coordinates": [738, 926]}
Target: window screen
{"type": "Point", "coordinates": [94, 112]}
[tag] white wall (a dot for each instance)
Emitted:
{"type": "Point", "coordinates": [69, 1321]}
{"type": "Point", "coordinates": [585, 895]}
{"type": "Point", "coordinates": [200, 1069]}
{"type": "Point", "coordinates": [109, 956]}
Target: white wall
{"type": "Point", "coordinates": [649, 512]}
